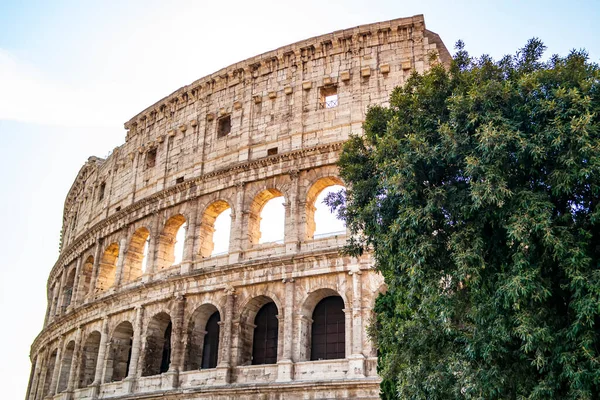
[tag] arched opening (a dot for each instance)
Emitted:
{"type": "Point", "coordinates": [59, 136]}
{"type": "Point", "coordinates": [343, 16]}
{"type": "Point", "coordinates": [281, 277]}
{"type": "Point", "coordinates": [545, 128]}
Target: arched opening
{"type": "Point", "coordinates": [65, 366]}
{"type": "Point", "coordinates": [329, 320]}
{"type": "Point", "coordinates": [171, 242]}
{"type": "Point", "coordinates": [320, 220]}
{"type": "Point", "coordinates": [68, 290]}
{"type": "Point", "coordinates": [328, 337]}
{"type": "Point", "coordinates": [214, 229]}
{"type": "Point", "coordinates": [89, 358]}
{"type": "Point", "coordinates": [158, 345]}
{"type": "Point", "coordinates": [108, 268]}
{"type": "Point", "coordinates": [48, 390]}
{"type": "Point", "coordinates": [86, 277]}
{"type": "Point", "coordinates": [267, 217]}
{"type": "Point", "coordinates": [119, 354]}
{"type": "Point", "coordinates": [266, 333]}
{"type": "Point", "coordinates": [136, 255]}
{"type": "Point", "coordinates": [203, 339]}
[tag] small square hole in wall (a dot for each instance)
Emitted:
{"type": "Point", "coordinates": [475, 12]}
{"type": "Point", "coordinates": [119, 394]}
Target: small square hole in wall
{"type": "Point", "coordinates": [179, 180]}
{"type": "Point", "coordinates": [224, 126]}
{"type": "Point", "coordinates": [118, 209]}
{"type": "Point", "coordinates": [272, 151]}
{"type": "Point", "coordinates": [151, 158]}
{"type": "Point", "coordinates": [328, 97]}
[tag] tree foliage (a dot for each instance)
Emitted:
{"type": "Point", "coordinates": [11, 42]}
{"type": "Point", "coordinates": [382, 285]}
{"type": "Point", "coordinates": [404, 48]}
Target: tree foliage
{"type": "Point", "coordinates": [477, 191]}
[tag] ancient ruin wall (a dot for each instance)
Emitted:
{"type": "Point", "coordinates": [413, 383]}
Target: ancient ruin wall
{"type": "Point", "coordinates": [235, 139]}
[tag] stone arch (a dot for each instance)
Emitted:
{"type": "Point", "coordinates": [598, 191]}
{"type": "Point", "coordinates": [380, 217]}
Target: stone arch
{"type": "Point", "coordinates": [85, 277]}
{"type": "Point", "coordinates": [314, 190]}
{"type": "Point", "coordinates": [198, 337]}
{"type": "Point", "coordinates": [67, 291]}
{"type": "Point", "coordinates": [133, 267]}
{"type": "Point", "coordinates": [157, 355]}
{"type": "Point", "coordinates": [51, 363]}
{"type": "Point", "coordinates": [108, 268]}
{"type": "Point", "coordinates": [166, 241]}
{"type": "Point", "coordinates": [119, 353]}
{"type": "Point", "coordinates": [89, 359]}
{"type": "Point", "coordinates": [207, 226]}
{"type": "Point", "coordinates": [65, 366]}
{"type": "Point", "coordinates": [247, 326]}
{"type": "Point", "coordinates": [254, 216]}
{"type": "Point", "coordinates": [305, 320]}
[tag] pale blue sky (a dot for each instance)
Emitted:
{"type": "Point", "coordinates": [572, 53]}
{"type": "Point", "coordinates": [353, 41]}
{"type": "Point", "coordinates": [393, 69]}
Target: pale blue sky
{"type": "Point", "coordinates": [72, 72]}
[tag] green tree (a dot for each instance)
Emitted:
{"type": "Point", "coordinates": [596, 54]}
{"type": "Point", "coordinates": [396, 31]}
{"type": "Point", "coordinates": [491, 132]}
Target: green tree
{"type": "Point", "coordinates": [477, 191]}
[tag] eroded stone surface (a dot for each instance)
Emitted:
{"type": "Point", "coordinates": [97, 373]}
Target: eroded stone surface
{"type": "Point", "coordinates": [268, 126]}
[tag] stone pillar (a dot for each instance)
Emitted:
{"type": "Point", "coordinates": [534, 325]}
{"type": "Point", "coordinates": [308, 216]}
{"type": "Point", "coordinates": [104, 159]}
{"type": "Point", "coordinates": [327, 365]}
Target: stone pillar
{"type": "Point", "coordinates": [190, 236]}
{"type": "Point", "coordinates": [237, 234]}
{"type": "Point", "coordinates": [60, 305]}
{"type": "Point", "coordinates": [285, 365]}
{"type": "Point", "coordinates": [356, 365]}
{"type": "Point", "coordinates": [291, 216]}
{"type": "Point", "coordinates": [57, 363]}
{"type": "Point", "coordinates": [177, 345]}
{"type": "Point", "coordinates": [224, 365]}
{"type": "Point", "coordinates": [101, 354]}
{"type": "Point", "coordinates": [95, 267]}
{"type": "Point", "coordinates": [75, 294]}
{"type": "Point", "coordinates": [35, 377]}
{"type": "Point", "coordinates": [120, 261]}
{"type": "Point", "coordinates": [38, 391]}
{"type": "Point", "coordinates": [53, 303]}
{"type": "Point", "coordinates": [74, 362]}
{"type": "Point", "coordinates": [151, 262]}
{"type": "Point", "coordinates": [136, 347]}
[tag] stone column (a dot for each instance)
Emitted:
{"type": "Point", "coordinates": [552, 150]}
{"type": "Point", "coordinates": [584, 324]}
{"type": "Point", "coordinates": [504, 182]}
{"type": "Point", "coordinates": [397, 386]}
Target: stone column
{"type": "Point", "coordinates": [291, 216]}
{"type": "Point", "coordinates": [57, 363]}
{"type": "Point", "coordinates": [74, 362]}
{"type": "Point", "coordinates": [53, 303]}
{"type": "Point", "coordinates": [61, 293]}
{"type": "Point", "coordinates": [285, 365]}
{"type": "Point", "coordinates": [75, 293]}
{"type": "Point", "coordinates": [356, 365]}
{"type": "Point", "coordinates": [120, 261]}
{"type": "Point", "coordinates": [224, 365]}
{"type": "Point", "coordinates": [38, 391]}
{"type": "Point", "coordinates": [136, 347]}
{"type": "Point", "coordinates": [101, 354]}
{"type": "Point", "coordinates": [151, 262]}
{"type": "Point", "coordinates": [190, 236]}
{"type": "Point", "coordinates": [237, 236]}
{"type": "Point", "coordinates": [95, 267]}
{"type": "Point", "coordinates": [34, 378]}
{"type": "Point", "coordinates": [171, 377]}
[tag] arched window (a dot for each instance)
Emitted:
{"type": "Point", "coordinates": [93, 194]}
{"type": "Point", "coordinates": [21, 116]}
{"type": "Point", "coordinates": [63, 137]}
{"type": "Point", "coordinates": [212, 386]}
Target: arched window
{"type": "Point", "coordinates": [214, 229]}
{"type": "Point", "coordinates": [202, 346]}
{"type": "Point", "coordinates": [68, 290]}
{"type": "Point", "coordinates": [328, 338]}
{"type": "Point", "coordinates": [171, 242]}
{"type": "Point", "coordinates": [320, 220]}
{"type": "Point", "coordinates": [65, 367]}
{"type": "Point", "coordinates": [136, 255]}
{"type": "Point", "coordinates": [267, 217]}
{"type": "Point", "coordinates": [89, 358]}
{"type": "Point", "coordinates": [266, 332]}
{"type": "Point", "coordinates": [86, 277]}
{"type": "Point", "coordinates": [108, 268]}
{"type": "Point", "coordinates": [210, 350]}
{"type": "Point", "coordinates": [119, 354]}
{"type": "Point", "coordinates": [158, 345]}
{"type": "Point", "coordinates": [48, 390]}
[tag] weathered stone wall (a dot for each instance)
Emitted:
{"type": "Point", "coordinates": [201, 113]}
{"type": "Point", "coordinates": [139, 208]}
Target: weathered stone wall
{"type": "Point", "coordinates": [106, 315]}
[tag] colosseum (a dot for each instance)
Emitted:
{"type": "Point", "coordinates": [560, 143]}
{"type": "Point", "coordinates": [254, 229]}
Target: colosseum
{"type": "Point", "coordinates": [144, 303]}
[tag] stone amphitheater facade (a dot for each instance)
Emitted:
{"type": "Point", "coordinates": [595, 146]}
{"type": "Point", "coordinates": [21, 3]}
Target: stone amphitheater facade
{"type": "Point", "coordinates": [240, 324]}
